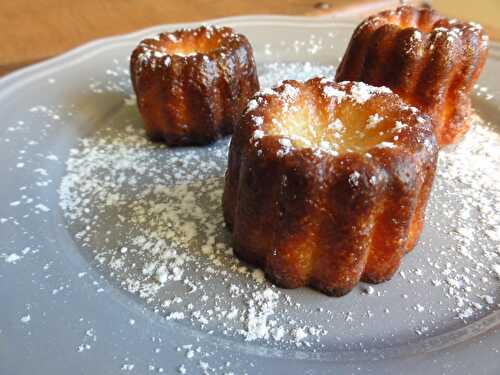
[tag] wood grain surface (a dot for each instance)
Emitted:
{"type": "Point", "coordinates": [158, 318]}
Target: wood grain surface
{"type": "Point", "coordinates": [32, 31]}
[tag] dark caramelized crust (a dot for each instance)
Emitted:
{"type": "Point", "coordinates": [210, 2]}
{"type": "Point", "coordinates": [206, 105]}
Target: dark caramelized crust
{"type": "Point", "coordinates": [327, 183]}
{"type": "Point", "coordinates": [192, 85]}
{"type": "Point", "coordinates": [430, 61]}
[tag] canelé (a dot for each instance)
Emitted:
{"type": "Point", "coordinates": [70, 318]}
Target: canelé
{"type": "Point", "coordinates": [193, 84]}
{"type": "Point", "coordinates": [430, 61]}
{"type": "Point", "coordinates": [327, 183]}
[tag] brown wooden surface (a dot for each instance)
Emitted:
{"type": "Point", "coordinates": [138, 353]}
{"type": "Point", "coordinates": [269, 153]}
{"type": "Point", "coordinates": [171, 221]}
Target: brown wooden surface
{"type": "Point", "coordinates": [32, 31]}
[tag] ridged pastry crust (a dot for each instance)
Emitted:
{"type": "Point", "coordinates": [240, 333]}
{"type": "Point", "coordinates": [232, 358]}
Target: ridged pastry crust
{"type": "Point", "coordinates": [193, 84]}
{"type": "Point", "coordinates": [327, 183]}
{"type": "Point", "coordinates": [430, 61]}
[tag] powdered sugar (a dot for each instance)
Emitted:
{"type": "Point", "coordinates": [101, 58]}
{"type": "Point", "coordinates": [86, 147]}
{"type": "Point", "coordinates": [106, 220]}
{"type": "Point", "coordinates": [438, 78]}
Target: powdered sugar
{"type": "Point", "coordinates": [12, 258]}
{"type": "Point", "coordinates": [252, 105]}
{"type": "Point", "coordinates": [399, 126]}
{"type": "Point", "coordinates": [361, 92]}
{"type": "Point", "coordinates": [373, 121]}
{"type": "Point", "coordinates": [354, 178]}
{"type": "Point", "coordinates": [290, 92]}
{"type": "Point", "coordinates": [260, 307]}
{"type": "Point", "coordinates": [333, 93]}
{"type": "Point", "coordinates": [386, 145]}
{"type": "Point", "coordinates": [496, 269]}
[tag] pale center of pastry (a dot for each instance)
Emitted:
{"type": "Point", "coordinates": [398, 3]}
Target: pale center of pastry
{"type": "Point", "coordinates": [347, 126]}
{"type": "Point", "coordinates": [189, 45]}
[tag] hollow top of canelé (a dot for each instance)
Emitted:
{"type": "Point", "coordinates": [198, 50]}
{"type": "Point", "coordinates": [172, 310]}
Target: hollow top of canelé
{"type": "Point", "coordinates": [190, 42]}
{"type": "Point", "coordinates": [425, 20]}
{"type": "Point", "coordinates": [335, 118]}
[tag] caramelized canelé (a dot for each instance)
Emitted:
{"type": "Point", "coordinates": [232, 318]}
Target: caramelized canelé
{"type": "Point", "coordinates": [327, 183]}
{"type": "Point", "coordinates": [430, 61]}
{"type": "Point", "coordinates": [193, 84]}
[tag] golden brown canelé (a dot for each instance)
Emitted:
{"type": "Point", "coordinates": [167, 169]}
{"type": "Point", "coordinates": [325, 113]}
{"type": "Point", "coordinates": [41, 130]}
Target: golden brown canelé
{"type": "Point", "coordinates": [430, 61]}
{"type": "Point", "coordinates": [193, 84]}
{"type": "Point", "coordinates": [327, 183]}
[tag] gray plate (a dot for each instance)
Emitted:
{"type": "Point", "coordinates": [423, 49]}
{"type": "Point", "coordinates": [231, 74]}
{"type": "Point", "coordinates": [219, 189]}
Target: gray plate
{"type": "Point", "coordinates": [67, 301]}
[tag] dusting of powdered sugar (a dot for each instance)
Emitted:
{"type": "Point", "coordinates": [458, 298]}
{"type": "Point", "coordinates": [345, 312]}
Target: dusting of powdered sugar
{"type": "Point", "coordinates": [168, 244]}
{"type": "Point", "coordinates": [361, 92]}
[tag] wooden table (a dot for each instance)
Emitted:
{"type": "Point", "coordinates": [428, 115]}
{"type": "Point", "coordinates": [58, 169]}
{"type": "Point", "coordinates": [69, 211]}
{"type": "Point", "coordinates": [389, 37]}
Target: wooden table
{"type": "Point", "coordinates": [32, 31]}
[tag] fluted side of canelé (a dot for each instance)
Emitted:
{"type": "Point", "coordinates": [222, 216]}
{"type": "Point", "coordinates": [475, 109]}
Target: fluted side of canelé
{"type": "Point", "coordinates": [430, 61]}
{"type": "Point", "coordinates": [193, 99]}
{"type": "Point", "coordinates": [324, 220]}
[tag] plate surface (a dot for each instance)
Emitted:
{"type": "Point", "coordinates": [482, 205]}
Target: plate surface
{"type": "Point", "coordinates": [114, 256]}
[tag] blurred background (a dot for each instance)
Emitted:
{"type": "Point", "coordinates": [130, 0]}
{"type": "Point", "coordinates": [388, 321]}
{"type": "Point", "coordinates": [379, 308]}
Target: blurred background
{"type": "Point", "coordinates": [32, 31]}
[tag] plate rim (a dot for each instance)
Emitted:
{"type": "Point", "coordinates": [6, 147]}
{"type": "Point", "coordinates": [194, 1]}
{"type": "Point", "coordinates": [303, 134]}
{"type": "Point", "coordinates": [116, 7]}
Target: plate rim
{"type": "Point", "coordinates": [97, 42]}
{"type": "Point", "coordinates": [18, 74]}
